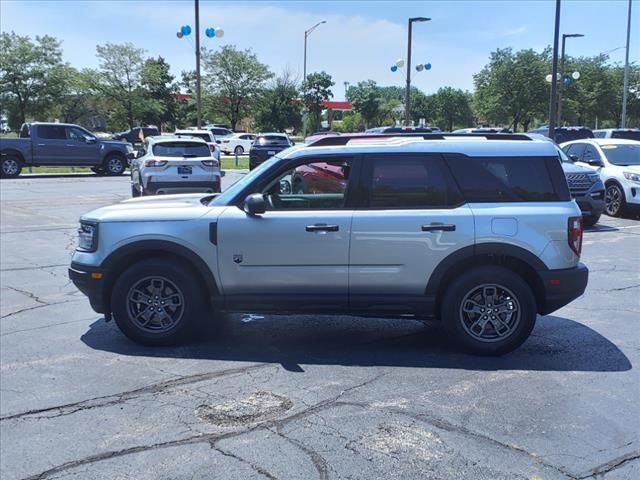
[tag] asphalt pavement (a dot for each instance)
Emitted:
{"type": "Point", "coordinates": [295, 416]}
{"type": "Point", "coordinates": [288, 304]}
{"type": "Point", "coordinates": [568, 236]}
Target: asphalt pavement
{"type": "Point", "coordinates": [303, 397]}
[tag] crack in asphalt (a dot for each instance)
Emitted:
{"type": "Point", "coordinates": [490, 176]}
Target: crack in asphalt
{"type": "Point", "coordinates": [619, 289]}
{"type": "Point", "coordinates": [42, 305]}
{"type": "Point", "coordinates": [35, 267]}
{"type": "Point", "coordinates": [45, 326]}
{"type": "Point", "coordinates": [611, 465]}
{"type": "Point", "coordinates": [32, 296]}
{"type": "Point", "coordinates": [212, 439]}
{"type": "Point", "coordinates": [254, 467]}
{"type": "Point", "coordinates": [108, 400]}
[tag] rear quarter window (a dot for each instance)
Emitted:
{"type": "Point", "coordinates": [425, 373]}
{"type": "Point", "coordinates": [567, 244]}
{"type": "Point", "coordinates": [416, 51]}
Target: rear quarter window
{"type": "Point", "coordinates": [509, 179]}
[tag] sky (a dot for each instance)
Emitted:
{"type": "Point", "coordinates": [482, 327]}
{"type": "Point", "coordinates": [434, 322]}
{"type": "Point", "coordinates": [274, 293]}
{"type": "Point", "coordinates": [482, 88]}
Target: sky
{"type": "Point", "coordinates": [361, 39]}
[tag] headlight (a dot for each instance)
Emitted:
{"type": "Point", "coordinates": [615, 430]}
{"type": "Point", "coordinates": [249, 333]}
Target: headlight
{"type": "Point", "coordinates": [88, 236]}
{"type": "Point", "coordinates": [594, 177]}
{"type": "Point", "coordinates": [634, 177]}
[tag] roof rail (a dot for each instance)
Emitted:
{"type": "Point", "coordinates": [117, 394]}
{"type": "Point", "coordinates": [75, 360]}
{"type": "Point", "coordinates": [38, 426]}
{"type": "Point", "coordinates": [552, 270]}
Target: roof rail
{"type": "Point", "coordinates": [345, 138]}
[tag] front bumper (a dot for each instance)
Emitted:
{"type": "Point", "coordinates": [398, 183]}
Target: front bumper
{"type": "Point", "coordinates": [561, 287]}
{"type": "Point", "coordinates": [632, 193]}
{"type": "Point", "coordinates": [90, 281]}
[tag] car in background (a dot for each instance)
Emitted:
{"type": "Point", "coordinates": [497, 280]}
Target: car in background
{"type": "Point", "coordinates": [137, 134]}
{"type": "Point", "coordinates": [617, 161]}
{"type": "Point", "coordinates": [238, 143]}
{"type": "Point", "coordinates": [174, 164]}
{"type": "Point", "coordinates": [205, 135]}
{"type": "Point", "coordinates": [219, 133]}
{"type": "Point", "coordinates": [265, 146]}
{"type": "Point", "coordinates": [482, 130]}
{"type": "Point", "coordinates": [320, 177]}
{"type": "Point", "coordinates": [399, 130]}
{"type": "Point", "coordinates": [585, 185]}
{"type": "Point", "coordinates": [627, 133]}
{"type": "Point", "coordinates": [565, 134]}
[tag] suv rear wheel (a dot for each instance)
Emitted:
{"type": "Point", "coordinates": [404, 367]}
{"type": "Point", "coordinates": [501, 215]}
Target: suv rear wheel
{"type": "Point", "coordinates": [10, 167]}
{"type": "Point", "coordinates": [156, 302]}
{"type": "Point", "coordinates": [489, 311]}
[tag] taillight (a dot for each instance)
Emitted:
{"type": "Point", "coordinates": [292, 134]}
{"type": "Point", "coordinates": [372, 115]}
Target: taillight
{"type": "Point", "coordinates": [210, 163]}
{"type": "Point", "coordinates": [574, 232]}
{"type": "Point", "coordinates": [152, 162]}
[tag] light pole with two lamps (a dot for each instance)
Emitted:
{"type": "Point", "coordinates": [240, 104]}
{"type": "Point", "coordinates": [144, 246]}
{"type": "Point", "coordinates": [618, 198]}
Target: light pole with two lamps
{"type": "Point", "coordinates": [407, 113]}
{"type": "Point", "coordinates": [564, 80]}
{"type": "Point", "coordinates": [304, 70]}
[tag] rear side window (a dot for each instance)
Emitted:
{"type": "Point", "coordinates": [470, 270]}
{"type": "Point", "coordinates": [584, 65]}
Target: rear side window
{"type": "Point", "coordinates": [52, 132]}
{"type": "Point", "coordinates": [181, 149]}
{"type": "Point", "coordinates": [24, 131]}
{"type": "Point", "coordinates": [509, 179]}
{"type": "Point", "coordinates": [416, 181]}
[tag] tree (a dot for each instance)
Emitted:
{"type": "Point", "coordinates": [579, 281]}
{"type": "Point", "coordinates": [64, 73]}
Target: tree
{"type": "Point", "coordinates": [161, 89]}
{"type": "Point", "coordinates": [79, 101]}
{"type": "Point", "coordinates": [279, 107]}
{"type": "Point", "coordinates": [512, 87]}
{"type": "Point", "coordinates": [27, 81]}
{"type": "Point", "coordinates": [453, 107]}
{"type": "Point", "coordinates": [235, 78]}
{"type": "Point", "coordinates": [120, 80]}
{"type": "Point", "coordinates": [365, 97]}
{"type": "Point", "coordinates": [317, 89]}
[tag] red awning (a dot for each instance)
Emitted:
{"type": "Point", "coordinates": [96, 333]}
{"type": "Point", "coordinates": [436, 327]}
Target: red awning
{"type": "Point", "coordinates": [338, 105]}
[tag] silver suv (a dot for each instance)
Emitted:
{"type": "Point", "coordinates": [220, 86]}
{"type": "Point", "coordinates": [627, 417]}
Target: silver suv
{"type": "Point", "coordinates": [174, 164]}
{"type": "Point", "coordinates": [478, 231]}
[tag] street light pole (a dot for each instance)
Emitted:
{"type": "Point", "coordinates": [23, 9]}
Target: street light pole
{"type": "Point", "coordinates": [407, 95]}
{"type": "Point", "coordinates": [554, 76]}
{"type": "Point", "coordinates": [304, 71]}
{"type": "Point", "coordinates": [198, 88]}
{"type": "Point", "coordinates": [564, 39]}
{"type": "Point", "coordinates": [625, 92]}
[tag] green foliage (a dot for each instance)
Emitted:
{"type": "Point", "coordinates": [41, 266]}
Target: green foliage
{"type": "Point", "coordinates": [316, 89]}
{"type": "Point", "coordinates": [160, 89]}
{"type": "Point", "coordinates": [452, 107]}
{"type": "Point", "coordinates": [30, 73]}
{"type": "Point", "coordinates": [279, 108]}
{"type": "Point", "coordinates": [351, 122]}
{"type": "Point", "coordinates": [235, 79]}
{"type": "Point", "coordinates": [366, 100]}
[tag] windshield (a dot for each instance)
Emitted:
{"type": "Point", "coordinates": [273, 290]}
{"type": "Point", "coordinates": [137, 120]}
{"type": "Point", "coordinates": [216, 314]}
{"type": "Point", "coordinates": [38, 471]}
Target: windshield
{"type": "Point", "coordinates": [564, 158]}
{"type": "Point", "coordinates": [181, 149]}
{"type": "Point", "coordinates": [237, 187]}
{"type": "Point", "coordinates": [626, 134]}
{"type": "Point", "coordinates": [622, 154]}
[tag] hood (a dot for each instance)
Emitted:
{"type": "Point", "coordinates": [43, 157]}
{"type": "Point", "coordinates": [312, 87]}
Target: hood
{"type": "Point", "coordinates": [573, 168]}
{"type": "Point", "coordinates": [154, 209]}
{"type": "Point", "coordinates": [630, 168]}
{"type": "Point", "coordinates": [114, 143]}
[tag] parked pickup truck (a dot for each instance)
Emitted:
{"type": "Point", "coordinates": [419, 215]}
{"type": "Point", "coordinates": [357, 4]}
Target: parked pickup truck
{"type": "Point", "coordinates": [62, 145]}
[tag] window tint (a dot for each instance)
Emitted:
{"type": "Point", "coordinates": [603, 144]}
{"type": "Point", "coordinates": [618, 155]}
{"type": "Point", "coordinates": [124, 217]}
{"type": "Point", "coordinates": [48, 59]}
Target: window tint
{"type": "Point", "coordinates": [628, 134]}
{"type": "Point", "coordinates": [411, 182]}
{"type": "Point", "coordinates": [181, 149]}
{"type": "Point", "coordinates": [506, 179]}
{"type": "Point", "coordinates": [590, 153]}
{"type": "Point", "coordinates": [576, 149]}
{"type": "Point", "coordinates": [600, 134]}
{"type": "Point", "coordinates": [272, 140]}
{"type": "Point", "coordinates": [77, 134]}
{"type": "Point", "coordinates": [622, 154]}
{"type": "Point", "coordinates": [52, 132]}
{"type": "Point", "coordinates": [24, 131]}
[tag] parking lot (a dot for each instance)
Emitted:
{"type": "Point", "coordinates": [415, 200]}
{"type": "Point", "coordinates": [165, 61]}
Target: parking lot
{"type": "Point", "coordinates": [303, 397]}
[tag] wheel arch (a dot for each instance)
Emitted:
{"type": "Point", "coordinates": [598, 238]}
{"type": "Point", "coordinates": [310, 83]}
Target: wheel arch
{"type": "Point", "coordinates": [514, 258]}
{"type": "Point", "coordinates": [12, 151]}
{"type": "Point", "coordinates": [127, 255]}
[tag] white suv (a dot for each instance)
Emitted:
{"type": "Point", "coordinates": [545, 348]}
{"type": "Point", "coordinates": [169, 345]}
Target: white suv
{"type": "Point", "coordinates": [174, 164]}
{"type": "Point", "coordinates": [617, 161]}
{"type": "Point", "coordinates": [479, 232]}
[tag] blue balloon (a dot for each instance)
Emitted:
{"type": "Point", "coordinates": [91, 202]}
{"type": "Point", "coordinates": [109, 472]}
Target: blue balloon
{"type": "Point", "coordinates": [427, 66]}
{"type": "Point", "coordinates": [186, 30]}
{"type": "Point", "coordinates": [566, 80]}
{"type": "Point", "coordinates": [394, 68]}
{"type": "Point", "coordinates": [210, 32]}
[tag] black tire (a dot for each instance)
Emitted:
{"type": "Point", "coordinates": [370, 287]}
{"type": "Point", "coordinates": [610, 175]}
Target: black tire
{"type": "Point", "coordinates": [238, 150]}
{"type": "Point", "coordinates": [98, 171]}
{"type": "Point", "coordinates": [10, 166]}
{"type": "Point", "coordinates": [134, 191]}
{"type": "Point", "coordinates": [590, 221]}
{"type": "Point", "coordinates": [114, 165]}
{"type": "Point", "coordinates": [514, 295]}
{"type": "Point", "coordinates": [142, 288]}
{"type": "Point", "coordinates": [615, 201]}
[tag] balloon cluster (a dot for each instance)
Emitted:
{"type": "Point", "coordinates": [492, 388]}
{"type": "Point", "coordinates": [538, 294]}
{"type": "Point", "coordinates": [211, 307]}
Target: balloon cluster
{"type": "Point", "coordinates": [566, 80]}
{"type": "Point", "coordinates": [210, 32]}
{"type": "Point", "coordinates": [400, 63]}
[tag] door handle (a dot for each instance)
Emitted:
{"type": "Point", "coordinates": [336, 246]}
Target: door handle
{"type": "Point", "coordinates": [439, 227]}
{"type": "Point", "coordinates": [41, 145]}
{"type": "Point", "coordinates": [322, 227]}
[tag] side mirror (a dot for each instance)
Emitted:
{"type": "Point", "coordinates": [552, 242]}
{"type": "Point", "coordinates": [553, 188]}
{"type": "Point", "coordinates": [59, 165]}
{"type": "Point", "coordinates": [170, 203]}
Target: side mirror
{"type": "Point", "coordinates": [131, 155]}
{"type": "Point", "coordinates": [254, 204]}
{"type": "Point", "coordinates": [90, 140]}
{"type": "Point", "coordinates": [573, 157]}
{"type": "Point", "coordinates": [595, 163]}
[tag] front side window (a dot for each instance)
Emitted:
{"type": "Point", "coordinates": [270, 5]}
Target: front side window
{"type": "Point", "coordinates": [181, 149]}
{"type": "Point", "coordinates": [576, 149]}
{"type": "Point", "coordinates": [505, 179]}
{"type": "Point", "coordinates": [590, 154]}
{"type": "Point", "coordinates": [411, 182]}
{"type": "Point", "coordinates": [311, 186]}
{"type": "Point", "coordinates": [77, 134]}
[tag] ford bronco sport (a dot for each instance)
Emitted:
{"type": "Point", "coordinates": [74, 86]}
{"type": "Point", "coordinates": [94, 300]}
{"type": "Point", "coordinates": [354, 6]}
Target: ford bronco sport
{"type": "Point", "coordinates": [477, 231]}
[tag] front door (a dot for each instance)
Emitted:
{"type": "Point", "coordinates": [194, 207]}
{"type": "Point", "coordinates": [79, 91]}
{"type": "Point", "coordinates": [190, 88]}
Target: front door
{"type": "Point", "coordinates": [82, 148]}
{"type": "Point", "coordinates": [413, 219]}
{"type": "Point", "coordinates": [296, 253]}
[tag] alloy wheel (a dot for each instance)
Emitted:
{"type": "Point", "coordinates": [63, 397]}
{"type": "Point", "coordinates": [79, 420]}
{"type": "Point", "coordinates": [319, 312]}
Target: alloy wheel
{"type": "Point", "coordinates": [490, 313]}
{"type": "Point", "coordinates": [155, 304]}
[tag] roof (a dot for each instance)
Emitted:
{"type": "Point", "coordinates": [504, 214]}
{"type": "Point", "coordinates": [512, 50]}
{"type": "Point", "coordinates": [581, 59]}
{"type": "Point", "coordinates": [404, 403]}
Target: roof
{"type": "Point", "coordinates": [603, 141]}
{"type": "Point", "coordinates": [337, 105]}
{"type": "Point", "coordinates": [192, 131]}
{"type": "Point", "coordinates": [173, 138]}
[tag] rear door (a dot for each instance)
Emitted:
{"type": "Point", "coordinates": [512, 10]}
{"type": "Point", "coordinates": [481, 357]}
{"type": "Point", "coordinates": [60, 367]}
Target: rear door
{"type": "Point", "coordinates": [50, 145]}
{"type": "Point", "coordinates": [412, 218]}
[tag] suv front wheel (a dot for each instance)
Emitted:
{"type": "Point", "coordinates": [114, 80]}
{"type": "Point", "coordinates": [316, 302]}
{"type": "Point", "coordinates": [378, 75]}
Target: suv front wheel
{"type": "Point", "coordinates": [488, 311]}
{"type": "Point", "coordinates": [156, 302]}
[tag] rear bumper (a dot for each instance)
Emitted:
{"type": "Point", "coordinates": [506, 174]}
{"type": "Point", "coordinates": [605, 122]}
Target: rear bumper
{"type": "Point", "coordinates": [156, 188]}
{"type": "Point", "coordinates": [92, 287]}
{"type": "Point", "coordinates": [561, 287]}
